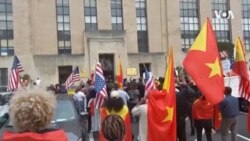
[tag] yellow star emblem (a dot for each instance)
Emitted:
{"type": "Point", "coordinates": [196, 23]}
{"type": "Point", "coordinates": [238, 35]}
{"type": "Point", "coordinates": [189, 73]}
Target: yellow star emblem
{"type": "Point", "coordinates": [170, 115]}
{"type": "Point", "coordinates": [215, 68]}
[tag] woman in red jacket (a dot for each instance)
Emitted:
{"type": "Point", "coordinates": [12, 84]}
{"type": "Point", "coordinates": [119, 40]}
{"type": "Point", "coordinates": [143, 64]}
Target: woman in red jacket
{"type": "Point", "coordinates": [31, 112]}
{"type": "Point", "coordinates": [202, 113]}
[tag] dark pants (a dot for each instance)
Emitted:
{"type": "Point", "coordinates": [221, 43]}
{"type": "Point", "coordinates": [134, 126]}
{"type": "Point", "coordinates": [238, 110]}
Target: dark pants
{"type": "Point", "coordinates": [181, 129]}
{"type": "Point", "coordinates": [207, 125]}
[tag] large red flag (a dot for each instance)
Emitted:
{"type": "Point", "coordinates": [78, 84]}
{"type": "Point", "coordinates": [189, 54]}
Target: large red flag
{"type": "Point", "coordinates": [202, 63]}
{"type": "Point", "coordinates": [119, 76]}
{"type": "Point", "coordinates": [240, 68]}
{"type": "Point", "coordinates": [162, 108]}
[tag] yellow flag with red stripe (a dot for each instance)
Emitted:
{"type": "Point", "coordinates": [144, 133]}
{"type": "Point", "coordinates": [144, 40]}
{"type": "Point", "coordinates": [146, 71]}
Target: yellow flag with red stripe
{"type": "Point", "coordinates": [169, 74]}
{"type": "Point", "coordinates": [119, 76]}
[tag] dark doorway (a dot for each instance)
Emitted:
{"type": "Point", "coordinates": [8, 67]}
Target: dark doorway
{"type": "Point", "coordinates": [107, 61]}
{"type": "Point", "coordinates": [142, 68]}
{"type": "Point", "coordinates": [64, 72]}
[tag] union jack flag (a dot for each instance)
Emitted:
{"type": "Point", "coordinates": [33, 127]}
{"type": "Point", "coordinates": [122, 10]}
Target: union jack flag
{"type": "Point", "coordinates": [149, 82]}
{"type": "Point", "coordinates": [100, 86]}
{"type": "Point", "coordinates": [74, 77]}
{"type": "Point", "coordinates": [14, 79]}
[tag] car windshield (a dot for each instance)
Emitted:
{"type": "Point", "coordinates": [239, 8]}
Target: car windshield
{"type": "Point", "coordinates": [4, 98]}
{"type": "Point", "coordinates": [64, 112]}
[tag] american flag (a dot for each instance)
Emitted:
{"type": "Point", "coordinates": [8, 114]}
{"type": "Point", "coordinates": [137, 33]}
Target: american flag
{"type": "Point", "coordinates": [223, 54]}
{"type": "Point", "coordinates": [149, 82]}
{"type": "Point", "coordinates": [14, 79]}
{"type": "Point", "coordinates": [74, 77]}
{"type": "Point", "coordinates": [100, 86]}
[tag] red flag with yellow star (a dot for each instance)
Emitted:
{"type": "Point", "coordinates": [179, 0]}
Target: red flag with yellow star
{"type": "Point", "coordinates": [162, 108]}
{"type": "Point", "coordinates": [119, 76]}
{"type": "Point", "coordinates": [202, 63]}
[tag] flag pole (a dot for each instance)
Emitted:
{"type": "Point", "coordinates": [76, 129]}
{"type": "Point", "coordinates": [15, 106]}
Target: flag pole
{"type": "Point", "coordinates": [229, 79]}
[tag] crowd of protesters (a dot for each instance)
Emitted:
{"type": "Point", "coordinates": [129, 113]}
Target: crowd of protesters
{"type": "Point", "coordinates": [125, 104]}
{"type": "Point", "coordinates": [190, 102]}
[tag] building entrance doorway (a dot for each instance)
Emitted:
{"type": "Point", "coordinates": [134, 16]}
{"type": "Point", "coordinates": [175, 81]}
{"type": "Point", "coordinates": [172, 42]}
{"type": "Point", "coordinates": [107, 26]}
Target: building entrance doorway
{"type": "Point", "coordinates": [64, 72]}
{"type": "Point", "coordinates": [107, 61]}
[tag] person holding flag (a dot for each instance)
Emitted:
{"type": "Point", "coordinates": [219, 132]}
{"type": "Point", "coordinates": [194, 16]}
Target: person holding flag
{"type": "Point", "coordinates": [202, 113]}
{"type": "Point", "coordinates": [162, 108]}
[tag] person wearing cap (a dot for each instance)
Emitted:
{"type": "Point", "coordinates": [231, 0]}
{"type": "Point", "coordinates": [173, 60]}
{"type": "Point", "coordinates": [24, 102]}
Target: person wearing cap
{"type": "Point", "coordinates": [31, 112]}
{"type": "Point", "coordinates": [114, 105]}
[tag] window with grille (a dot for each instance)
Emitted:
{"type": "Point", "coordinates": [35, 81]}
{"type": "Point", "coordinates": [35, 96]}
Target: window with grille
{"type": "Point", "coordinates": [63, 26]}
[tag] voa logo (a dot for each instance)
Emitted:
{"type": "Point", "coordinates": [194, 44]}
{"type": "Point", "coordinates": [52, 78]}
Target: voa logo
{"type": "Point", "coordinates": [220, 14]}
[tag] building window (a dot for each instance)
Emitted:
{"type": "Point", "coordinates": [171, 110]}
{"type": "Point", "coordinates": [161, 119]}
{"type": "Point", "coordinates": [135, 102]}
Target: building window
{"type": "Point", "coordinates": [63, 27]}
{"type": "Point", "coordinates": [246, 23]}
{"type": "Point", "coordinates": [221, 25]}
{"type": "Point", "coordinates": [116, 14]}
{"type": "Point", "coordinates": [6, 28]}
{"type": "Point", "coordinates": [189, 19]}
{"type": "Point", "coordinates": [90, 15]}
{"type": "Point", "coordinates": [141, 20]}
{"type": "Point", "coordinates": [3, 79]}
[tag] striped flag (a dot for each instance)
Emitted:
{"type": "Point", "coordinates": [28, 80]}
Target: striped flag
{"type": "Point", "coordinates": [149, 82]}
{"type": "Point", "coordinates": [223, 54]}
{"type": "Point", "coordinates": [14, 79]}
{"type": "Point", "coordinates": [240, 68]}
{"type": "Point", "coordinates": [74, 77]}
{"type": "Point", "coordinates": [100, 86]}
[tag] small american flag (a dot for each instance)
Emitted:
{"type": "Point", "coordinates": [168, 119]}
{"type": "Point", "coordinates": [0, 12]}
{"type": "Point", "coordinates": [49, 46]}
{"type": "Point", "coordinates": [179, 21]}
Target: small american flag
{"type": "Point", "coordinates": [14, 79]}
{"type": "Point", "coordinates": [100, 86]}
{"type": "Point", "coordinates": [223, 54]}
{"type": "Point", "coordinates": [74, 77]}
{"type": "Point", "coordinates": [149, 82]}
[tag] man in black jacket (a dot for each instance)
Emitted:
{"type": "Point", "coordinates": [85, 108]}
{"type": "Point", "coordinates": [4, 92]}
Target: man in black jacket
{"type": "Point", "coordinates": [182, 109]}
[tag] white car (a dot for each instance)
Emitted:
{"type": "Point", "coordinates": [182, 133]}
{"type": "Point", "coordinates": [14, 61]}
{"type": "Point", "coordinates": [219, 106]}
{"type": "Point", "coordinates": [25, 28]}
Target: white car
{"type": "Point", "coordinates": [4, 107]}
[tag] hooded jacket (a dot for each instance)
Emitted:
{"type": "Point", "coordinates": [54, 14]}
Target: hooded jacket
{"type": "Point", "coordinates": [56, 135]}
